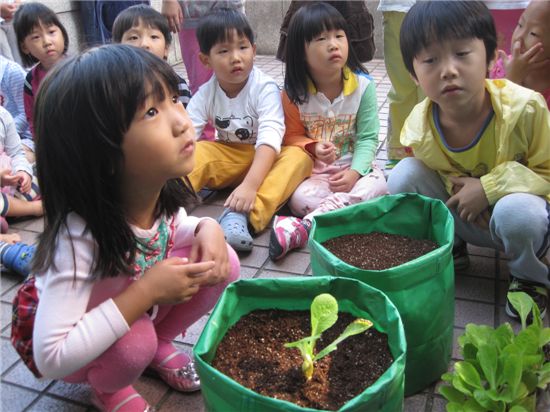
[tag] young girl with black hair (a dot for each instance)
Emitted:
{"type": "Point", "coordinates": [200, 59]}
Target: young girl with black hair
{"type": "Point", "coordinates": [330, 111]}
{"type": "Point", "coordinates": [42, 41]}
{"type": "Point", "coordinates": [118, 249]}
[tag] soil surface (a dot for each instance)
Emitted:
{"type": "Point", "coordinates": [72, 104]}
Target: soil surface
{"type": "Point", "coordinates": [252, 353]}
{"type": "Point", "coordinates": [378, 251]}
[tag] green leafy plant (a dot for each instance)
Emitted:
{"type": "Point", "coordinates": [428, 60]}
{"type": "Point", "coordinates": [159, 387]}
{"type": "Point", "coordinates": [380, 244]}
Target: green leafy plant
{"type": "Point", "coordinates": [324, 314]}
{"type": "Point", "coordinates": [501, 371]}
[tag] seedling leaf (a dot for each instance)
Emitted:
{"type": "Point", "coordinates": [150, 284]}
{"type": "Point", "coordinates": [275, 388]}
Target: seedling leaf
{"type": "Point", "coordinates": [324, 313]}
{"type": "Point", "coordinates": [354, 328]}
{"type": "Point", "coordinates": [523, 304]}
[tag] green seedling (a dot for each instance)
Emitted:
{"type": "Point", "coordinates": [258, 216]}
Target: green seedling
{"type": "Point", "coordinates": [324, 313]}
{"type": "Point", "coordinates": [501, 370]}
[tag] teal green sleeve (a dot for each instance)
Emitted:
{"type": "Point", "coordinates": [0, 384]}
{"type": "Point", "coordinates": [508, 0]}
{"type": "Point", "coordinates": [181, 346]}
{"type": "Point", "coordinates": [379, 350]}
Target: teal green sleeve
{"type": "Point", "coordinates": [368, 127]}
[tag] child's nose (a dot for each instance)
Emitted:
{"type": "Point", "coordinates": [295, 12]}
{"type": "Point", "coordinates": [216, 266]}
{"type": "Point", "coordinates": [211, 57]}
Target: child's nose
{"type": "Point", "coordinates": [448, 70]}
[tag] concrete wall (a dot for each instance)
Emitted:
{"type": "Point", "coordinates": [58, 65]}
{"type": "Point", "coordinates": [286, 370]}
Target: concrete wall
{"type": "Point", "coordinates": [265, 17]}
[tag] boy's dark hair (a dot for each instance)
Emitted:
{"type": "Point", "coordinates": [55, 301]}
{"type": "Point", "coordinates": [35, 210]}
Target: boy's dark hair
{"type": "Point", "coordinates": [308, 22]}
{"type": "Point", "coordinates": [26, 18]}
{"type": "Point", "coordinates": [436, 21]}
{"type": "Point", "coordinates": [147, 15]}
{"type": "Point", "coordinates": [83, 109]}
{"type": "Point", "coordinates": [217, 27]}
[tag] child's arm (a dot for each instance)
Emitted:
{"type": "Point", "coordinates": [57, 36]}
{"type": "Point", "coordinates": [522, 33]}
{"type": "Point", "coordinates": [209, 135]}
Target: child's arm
{"type": "Point", "coordinates": [14, 149]}
{"type": "Point", "coordinates": [70, 329]}
{"type": "Point", "coordinates": [364, 151]}
{"type": "Point", "coordinates": [295, 132]}
{"type": "Point", "coordinates": [198, 111]}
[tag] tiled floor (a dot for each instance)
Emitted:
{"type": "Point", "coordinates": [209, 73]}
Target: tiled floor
{"type": "Point", "coordinates": [480, 294]}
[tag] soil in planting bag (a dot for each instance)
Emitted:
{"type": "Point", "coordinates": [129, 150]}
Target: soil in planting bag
{"type": "Point", "coordinates": [221, 393]}
{"type": "Point", "coordinates": [421, 289]}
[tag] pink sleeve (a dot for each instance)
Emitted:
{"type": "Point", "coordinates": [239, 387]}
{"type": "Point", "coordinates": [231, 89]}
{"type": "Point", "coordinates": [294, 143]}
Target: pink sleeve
{"type": "Point", "coordinates": [498, 71]}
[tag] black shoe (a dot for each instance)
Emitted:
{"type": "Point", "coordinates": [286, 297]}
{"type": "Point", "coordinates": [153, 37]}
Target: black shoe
{"type": "Point", "coordinates": [537, 291]}
{"type": "Point", "coordinates": [460, 257]}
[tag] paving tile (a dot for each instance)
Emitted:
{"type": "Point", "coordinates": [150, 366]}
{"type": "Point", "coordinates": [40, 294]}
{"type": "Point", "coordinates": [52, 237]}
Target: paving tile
{"type": "Point", "coordinates": [263, 238]}
{"type": "Point", "coordinates": [73, 391]}
{"type": "Point", "coordinates": [9, 356]}
{"type": "Point", "coordinates": [152, 389]}
{"type": "Point", "coordinates": [294, 262]}
{"type": "Point", "coordinates": [5, 315]}
{"type": "Point", "coordinates": [456, 348]}
{"type": "Point", "coordinates": [15, 398]}
{"type": "Point", "coordinates": [178, 402]}
{"type": "Point", "coordinates": [256, 258]}
{"type": "Point", "coordinates": [207, 210]}
{"type": "Point", "coordinates": [194, 331]}
{"type": "Point", "coordinates": [438, 404]}
{"type": "Point", "coordinates": [8, 280]}
{"type": "Point", "coordinates": [415, 403]}
{"type": "Point", "coordinates": [8, 296]}
{"type": "Point", "coordinates": [475, 288]}
{"type": "Point", "coordinates": [473, 312]}
{"type": "Point", "coordinates": [21, 375]}
{"type": "Point", "coordinates": [481, 266]}
{"type": "Point", "coordinates": [50, 404]}
{"type": "Point", "coordinates": [273, 274]}
{"type": "Point", "coordinates": [31, 225]}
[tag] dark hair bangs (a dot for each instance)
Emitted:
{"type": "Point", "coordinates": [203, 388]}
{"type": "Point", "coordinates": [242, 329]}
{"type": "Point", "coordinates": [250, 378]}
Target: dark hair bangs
{"type": "Point", "coordinates": [436, 21]}
{"type": "Point", "coordinates": [218, 27]}
{"type": "Point", "coordinates": [141, 13]}
{"type": "Point", "coordinates": [315, 20]}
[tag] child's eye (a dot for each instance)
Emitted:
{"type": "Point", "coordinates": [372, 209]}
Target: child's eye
{"type": "Point", "coordinates": [462, 53]}
{"type": "Point", "coordinates": [175, 99]}
{"type": "Point", "coordinates": [155, 36]}
{"type": "Point", "coordinates": [152, 112]}
{"type": "Point", "coordinates": [340, 36]}
{"type": "Point", "coordinates": [222, 51]}
{"type": "Point", "coordinates": [244, 47]}
{"type": "Point", "coordinates": [320, 38]}
{"type": "Point", "coordinates": [428, 60]}
{"type": "Point", "coordinates": [534, 34]}
{"type": "Point", "coordinates": [35, 37]}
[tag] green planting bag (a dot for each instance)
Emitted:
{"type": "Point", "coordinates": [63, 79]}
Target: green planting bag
{"type": "Point", "coordinates": [221, 393]}
{"type": "Point", "coordinates": [422, 289]}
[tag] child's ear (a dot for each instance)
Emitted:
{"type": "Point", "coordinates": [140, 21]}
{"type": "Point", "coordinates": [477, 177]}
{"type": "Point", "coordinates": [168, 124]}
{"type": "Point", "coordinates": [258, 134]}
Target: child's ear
{"type": "Point", "coordinates": [205, 60]}
{"type": "Point", "coordinates": [492, 61]}
{"type": "Point", "coordinates": [254, 50]}
{"type": "Point", "coordinates": [24, 48]}
{"type": "Point", "coordinates": [414, 79]}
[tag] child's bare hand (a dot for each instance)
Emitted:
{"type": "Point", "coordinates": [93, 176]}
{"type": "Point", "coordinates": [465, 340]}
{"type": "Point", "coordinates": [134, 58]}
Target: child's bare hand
{"type": "Point", "coordinates": [325, 152]}
{"type": "Point", "coordinates": [175, 280]}
{"type": "Point", "coordinates": [25, 181]}
{"type": "Point", "coordinates": [209, 245]}
{"type": "Point", "coordinates": [468, 199]}
{"type": "Point", "coordinates": [483, 219]}
{"type": "Point", "coordinates": [519, 65]}
{"type": "Point", "coordinates": [241, 199]}
{"type": "Point", "coordinates": [10, 180]}
{"type": "Point", "coordinates": [343, 181]}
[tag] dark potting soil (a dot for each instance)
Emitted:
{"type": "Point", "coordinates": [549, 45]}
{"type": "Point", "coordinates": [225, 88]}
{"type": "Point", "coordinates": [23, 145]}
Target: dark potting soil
{"type": "Point", "coordinates": [378, 251]}
{"type": "Point", "coordinates": [252, 353]}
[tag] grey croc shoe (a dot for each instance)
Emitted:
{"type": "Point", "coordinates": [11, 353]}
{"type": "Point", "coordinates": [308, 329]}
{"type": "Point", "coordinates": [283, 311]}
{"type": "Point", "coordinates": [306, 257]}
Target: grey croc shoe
{"type": "Point", "coordinates": [235, 230]}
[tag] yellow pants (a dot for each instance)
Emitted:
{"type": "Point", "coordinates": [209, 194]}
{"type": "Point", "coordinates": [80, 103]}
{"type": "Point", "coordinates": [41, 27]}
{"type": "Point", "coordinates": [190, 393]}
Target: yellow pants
{"type": "Point", "coordinates": [404, 94]}
{"type": "Point", "coordinates": [220, 165]}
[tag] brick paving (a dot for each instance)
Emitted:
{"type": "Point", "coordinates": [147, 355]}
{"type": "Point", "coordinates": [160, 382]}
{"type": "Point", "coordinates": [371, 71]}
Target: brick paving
{"type": "Point", "coordinates": [480, 297]}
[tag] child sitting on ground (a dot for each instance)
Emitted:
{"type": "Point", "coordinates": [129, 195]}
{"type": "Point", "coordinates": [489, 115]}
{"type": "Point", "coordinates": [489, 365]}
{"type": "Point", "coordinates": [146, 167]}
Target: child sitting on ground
{"type": "Point", "coordinates": [142, 26]}
{"type": "Point", "coordinates": [529, 63]}
{"type": "Point", "coordinates": [244, 105]}
{"type": "Point", "coordinates": [331, 113]}
{"type": "Point", "coordinates": [118, 248]}
{"type": "Point", "coordinates": [480, 145]}
{"type": "Point", "coordinates": [41, 39]}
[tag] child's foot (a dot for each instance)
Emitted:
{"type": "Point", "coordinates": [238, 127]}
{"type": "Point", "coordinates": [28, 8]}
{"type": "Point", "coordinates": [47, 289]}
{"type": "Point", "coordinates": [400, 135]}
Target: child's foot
{"type": "Point", "coordinates": [124, 400]}
{"type": "Point", "coordinates": [287, 233]}
{"type": "Point", "coordinates": [537, 291]}
{"type": "Point", "coordinates": [17, 257]}
{"type": "Point", "coordinates": [235, 230]}
{"type": "Point", "coordinates": [178, 371]}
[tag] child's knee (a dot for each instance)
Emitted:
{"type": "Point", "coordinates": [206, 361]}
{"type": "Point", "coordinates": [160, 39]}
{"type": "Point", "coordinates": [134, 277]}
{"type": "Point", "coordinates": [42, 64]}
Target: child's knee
{"type": "Point", "coordinates": [404, 175]}
{"type": "Point", "coordinates": [521, 216]}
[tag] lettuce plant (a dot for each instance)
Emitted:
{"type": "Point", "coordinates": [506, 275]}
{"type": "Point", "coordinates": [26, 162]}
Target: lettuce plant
{"type": "Point", "coordinates": [501, 371]}
{"type": "Point", "coordinates": [324, 314]}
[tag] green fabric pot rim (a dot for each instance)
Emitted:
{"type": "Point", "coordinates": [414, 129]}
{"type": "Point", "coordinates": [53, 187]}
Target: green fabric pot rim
{"type": "Point", "coordinates": [296, 293]}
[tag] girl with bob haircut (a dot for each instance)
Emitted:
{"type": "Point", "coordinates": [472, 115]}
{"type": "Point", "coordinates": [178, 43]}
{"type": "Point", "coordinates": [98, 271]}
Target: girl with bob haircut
{"type": "Point", "coordinates": [42, 41]}
{"type": "Point", "coordinates": [118, 248]}
{"type": "Point", "coordinates": [331, 113]}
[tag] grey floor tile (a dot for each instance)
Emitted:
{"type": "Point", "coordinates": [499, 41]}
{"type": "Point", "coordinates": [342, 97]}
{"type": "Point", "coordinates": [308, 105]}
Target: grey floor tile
{"type": "Point", "coordinates": [475, 288]}
{"type": "Point", "coordinates": [294, 262]}
{"type": "Point", "coordinates": [15, 398]}
{"type": "Point", "coordinates": [21, 375]}
{"type": "Point", "coordinates": [50, 404]}
{"type": "Point", "coordinates": [152, 389]}
{"type": "Point", "coordinates": [8, 296]}
{"type": "Point", "coordinates": [194, 331]}
{"type": "Point", "coordinates": [186, 402]}
{"type": "Point", "coordinates": [438, 404]}
{"type": "Point", "coordinates": [415, 403]}
{"type": "Point", "coordinates": [73, 391]}
{"type": "Point", "coordinates": [272, 274]}
{"type": "Point", "coordinates": [9, 356]}
{"type": "Point", "coordinates": [5, 315]}
{"type": "Point", "coordinates": [481, 266]}
{"type": "Point", "coordinates": [207, 210]}
{"type": "Point", "coordinates": [473, 312]}
{"type": "Point", "coordinates": [248, 273]}
{"type": "Point", "coordinates": [256, 258]}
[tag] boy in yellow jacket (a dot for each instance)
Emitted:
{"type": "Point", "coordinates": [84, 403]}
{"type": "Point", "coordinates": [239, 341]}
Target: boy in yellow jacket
{"type": "Point", "coordinates": [482, 146]}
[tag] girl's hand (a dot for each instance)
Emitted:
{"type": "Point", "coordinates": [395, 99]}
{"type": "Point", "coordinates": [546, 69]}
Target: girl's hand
{"type": "Point", "coordinates": [469, 198]}
{"type": "Point", "coordinates": [325, 152]}
{"type": "Point", "coordinates": [242, 199]}
{"type": "Point", "coordinates": [210, 245]}
{"type": "Point", "coordinates": [343, 181]}
{"type": "Point", "coordinates": [172, 11]}
{"type": "Point", "coordinates": [519, 65]}
{"type": "Point", "coordinates": [175, 280]}
{"type": "Point", "coordinates": [25, 181]}
{"type": "Point", "coordinates": [8, 179]}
